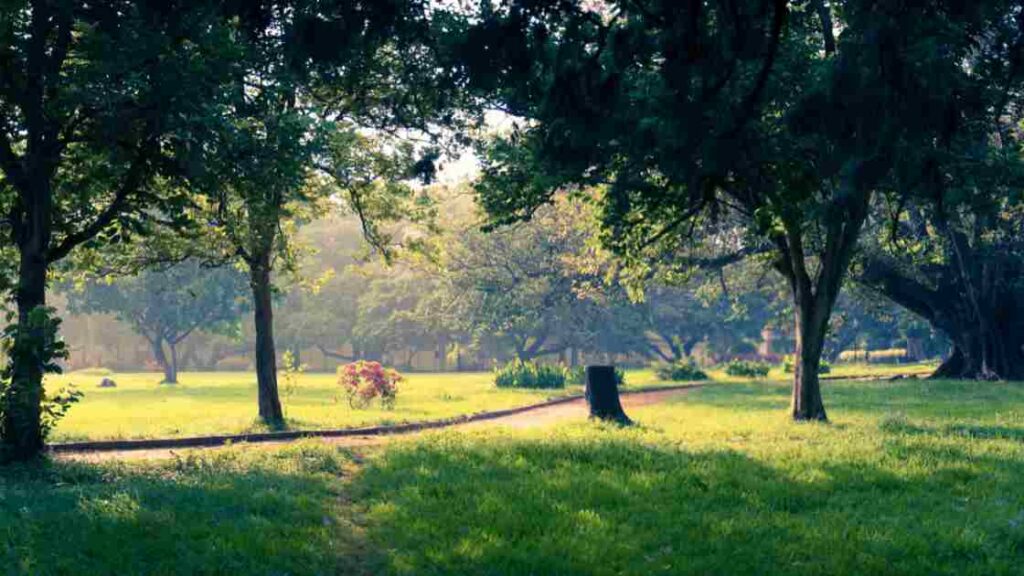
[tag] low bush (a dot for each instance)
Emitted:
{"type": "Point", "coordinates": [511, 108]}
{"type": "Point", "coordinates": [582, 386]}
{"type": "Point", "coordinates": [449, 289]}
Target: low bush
{"type": "Point", "coordinates": [578, 376]}
{"type": "Point", "coordinates": [788, 363]}
{"type": "Point", "coordinates": [886, 356]}
{"type": "Point", "coordinates": [519, 374]}
{"type": "Point", "coordinates": [364, 381]}
{"type": "Point", "coordinates": [680, 371]}
{"type": "Point", "coordinates": [747, 369]}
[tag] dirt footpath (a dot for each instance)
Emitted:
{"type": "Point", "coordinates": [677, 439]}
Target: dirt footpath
{"type": "Point", "coordinates": [542, 416]}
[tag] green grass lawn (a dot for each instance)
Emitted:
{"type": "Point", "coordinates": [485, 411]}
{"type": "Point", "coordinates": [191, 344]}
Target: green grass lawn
{"type": "Point", "coordinates": [225, 403]}
{"type": "Point", "coordinates": [217, 402]}
{"type": "Point", "coordinates": [910, 477]}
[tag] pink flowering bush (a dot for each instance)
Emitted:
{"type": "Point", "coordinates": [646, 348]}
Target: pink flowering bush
{"type": "Point", "coordinates": [365, 380]}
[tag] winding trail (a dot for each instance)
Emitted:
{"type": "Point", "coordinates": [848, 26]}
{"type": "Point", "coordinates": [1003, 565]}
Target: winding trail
{"type": "Point", "coordinates": [535, 416]}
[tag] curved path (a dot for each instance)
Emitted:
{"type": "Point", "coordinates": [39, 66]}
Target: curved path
{"type": "Point", "coordinates": [545, 414]}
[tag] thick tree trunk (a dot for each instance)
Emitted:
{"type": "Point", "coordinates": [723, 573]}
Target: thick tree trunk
{"type": "Point", "coordinates": [810, 339]}
{"type": "Point", "coordinates": [22, 432]}
{"type": "Point", "coordinates": [996, 355]}
{"type": "Point", "coordinates": [603, 395]}
{"type": "Point", "coordinates": [266, 356]}
{"type": "Point", "coordinates": [815, 296]}
{"type": "Point", "coordinates": [981, 349]}
{"type": "Point", "coordinates": [170, 370]}
{"type": "Point", "coordinates": [951, 367]}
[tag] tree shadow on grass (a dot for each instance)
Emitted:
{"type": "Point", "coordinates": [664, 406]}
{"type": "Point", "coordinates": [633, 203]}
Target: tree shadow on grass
{"type": "Point", "coordinates": [453, 506]}
{"type": "Point", "coordinates": [898, 424]}
{"type": "Point", "coordinates": [228, 513]}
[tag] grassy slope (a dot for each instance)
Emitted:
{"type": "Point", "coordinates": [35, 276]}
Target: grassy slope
{"type": "Point", "coordinates": [212, 403]}
{"type": "Point", "coordinates": [909, 478]}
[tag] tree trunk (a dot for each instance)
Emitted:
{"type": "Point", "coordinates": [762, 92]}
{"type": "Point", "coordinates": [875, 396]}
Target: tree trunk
{"type": "Point", "coordinates": [22, 431]}
{"type": "Point", "coordinates": [170, 370]}
{"type": "Point", "coordinates": [810, 339]}
{"type": "Point", "coordinates": [981, 349]}
{"type": "Point", "coordinates": [999, 354]}
{"type": "Point", "coordinates": [174, 362]}
{"type": "Point", "coordinates": [266, 356]}
{"type": "Point", "coordinates": [603, 395]}
{"type": "Point", "coordinates": [951, 367]}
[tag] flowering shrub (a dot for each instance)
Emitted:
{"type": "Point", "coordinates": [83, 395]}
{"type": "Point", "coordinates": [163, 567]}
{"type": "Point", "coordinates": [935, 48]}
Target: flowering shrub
{"type": "Point", "coordinates": [365, 380]}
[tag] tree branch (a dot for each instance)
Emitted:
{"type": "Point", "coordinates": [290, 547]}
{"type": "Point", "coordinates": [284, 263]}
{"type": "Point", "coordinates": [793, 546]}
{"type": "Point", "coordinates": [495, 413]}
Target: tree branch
{"type": "Point", "coordinates": [129, 185]}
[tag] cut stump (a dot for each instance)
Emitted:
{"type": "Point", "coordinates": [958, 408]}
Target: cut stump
{"type": "Point", "coordinates": [603, 395]}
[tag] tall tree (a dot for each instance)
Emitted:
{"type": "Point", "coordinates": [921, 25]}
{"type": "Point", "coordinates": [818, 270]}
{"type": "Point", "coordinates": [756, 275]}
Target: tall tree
{"type": "Point", "coordinates": [96, 99]}
{"type": "Point", "coordinates": [723, 127]}
{"type": "Point", "coordinates": [318, 108]}
{"type": "Point", "coordinates": [949, 247]}
{"type": "Point", "coordinates": [965, 280]}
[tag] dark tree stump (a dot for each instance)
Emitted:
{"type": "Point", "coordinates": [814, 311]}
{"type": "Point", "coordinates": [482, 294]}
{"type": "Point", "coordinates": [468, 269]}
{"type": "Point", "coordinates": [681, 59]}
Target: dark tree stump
{"type": "Point", "coordinates": [603, 395]}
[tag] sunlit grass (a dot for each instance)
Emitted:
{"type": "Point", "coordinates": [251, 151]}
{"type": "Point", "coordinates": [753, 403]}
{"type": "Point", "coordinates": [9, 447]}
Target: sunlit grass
{"type": "Point", "coordinates": [909, 477]}
{"type": "Point", "coordinates": [225, 403]}
{"type": "Point", "coordinates": [218, 403]}
{"type": "Point", "coordinates": [212, 403]}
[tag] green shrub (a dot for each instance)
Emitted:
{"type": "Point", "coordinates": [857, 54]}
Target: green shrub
{"type": "Point", "coordinates": [886, 356]}
{"type": "Point", "coordinates": [578, 376]}
{"type": "Point", "coordinates": [680, 371]}
{"type": "Point", "coordinates": [747, 369]}
{"type": "Point", "coordinates": [788, 362]}
{"type": "Point", "coordinates": [519, 374]}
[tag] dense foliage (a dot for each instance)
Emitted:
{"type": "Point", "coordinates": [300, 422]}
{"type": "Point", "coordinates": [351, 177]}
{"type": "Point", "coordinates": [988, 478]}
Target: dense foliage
{"type": "Point", "coordinates": [680, 371]}
{"type": "Point", "coordinates": [747, 369]}
{"type": "Point", "coordinates": [728, 129]}
{"type": "Point", "coordinates": [520, 374]}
